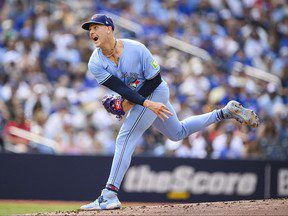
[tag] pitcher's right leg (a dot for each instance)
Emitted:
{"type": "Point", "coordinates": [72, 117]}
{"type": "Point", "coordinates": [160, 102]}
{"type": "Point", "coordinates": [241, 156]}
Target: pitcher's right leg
{"type": "Point", "coordinates": [136, 123]}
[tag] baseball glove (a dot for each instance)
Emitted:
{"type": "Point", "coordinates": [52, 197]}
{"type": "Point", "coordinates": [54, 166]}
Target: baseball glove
{"type": "Point", "coordinates": [113, 105]}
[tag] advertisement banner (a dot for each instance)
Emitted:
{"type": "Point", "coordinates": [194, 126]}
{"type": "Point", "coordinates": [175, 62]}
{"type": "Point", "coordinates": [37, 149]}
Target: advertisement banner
{"type": "Point", "coordinates": [149, 179]}
{"type": "Point", "coordinates": [174, 179]}
{"type": "Point", "coordinates": [279, 179]}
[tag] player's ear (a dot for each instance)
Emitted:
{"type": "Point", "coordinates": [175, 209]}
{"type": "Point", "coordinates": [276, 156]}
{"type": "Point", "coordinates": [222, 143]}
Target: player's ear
{"type": "Point", "coordinates": [109, 29]}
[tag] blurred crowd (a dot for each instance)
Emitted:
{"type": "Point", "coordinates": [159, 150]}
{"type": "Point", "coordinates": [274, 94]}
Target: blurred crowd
{"type": "Point", "coordinates": [46, 91]}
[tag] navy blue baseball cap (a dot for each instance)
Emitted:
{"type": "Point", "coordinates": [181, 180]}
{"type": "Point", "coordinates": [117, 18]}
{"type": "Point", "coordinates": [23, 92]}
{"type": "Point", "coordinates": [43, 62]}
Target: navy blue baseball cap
{"type": "Point", "coordinates": [98, 19]}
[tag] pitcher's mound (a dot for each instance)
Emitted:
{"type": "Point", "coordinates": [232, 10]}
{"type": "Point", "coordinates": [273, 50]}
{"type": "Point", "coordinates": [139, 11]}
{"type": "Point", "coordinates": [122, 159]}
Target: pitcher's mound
{"type": "Point", "coordinates": [250, 207]}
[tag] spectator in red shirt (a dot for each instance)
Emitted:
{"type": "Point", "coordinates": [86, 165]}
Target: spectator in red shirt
{"type": "Point", "coordinates": [16, 143]}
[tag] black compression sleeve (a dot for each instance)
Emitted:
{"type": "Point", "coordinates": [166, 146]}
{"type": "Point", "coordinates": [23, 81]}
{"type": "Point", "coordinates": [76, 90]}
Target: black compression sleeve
{"type": "Point", "coordinates": [150, 85]}
{"type": "Point", "coordinates": [115, 84]}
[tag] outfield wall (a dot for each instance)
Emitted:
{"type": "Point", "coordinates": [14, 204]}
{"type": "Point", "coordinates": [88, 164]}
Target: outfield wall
{"type": "Point", "coordinates": [148, 179]}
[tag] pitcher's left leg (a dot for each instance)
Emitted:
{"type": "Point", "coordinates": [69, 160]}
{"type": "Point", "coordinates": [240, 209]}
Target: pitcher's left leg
{"type": "Point", "coordinates": [176, 130]}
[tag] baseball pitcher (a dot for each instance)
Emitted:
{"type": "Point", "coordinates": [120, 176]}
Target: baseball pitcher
{"type": "Point", "coordinates": [128, 68]}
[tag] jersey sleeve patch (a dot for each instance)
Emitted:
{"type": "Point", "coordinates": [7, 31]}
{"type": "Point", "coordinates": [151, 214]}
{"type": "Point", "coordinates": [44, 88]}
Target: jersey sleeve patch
{"type": "Point", "coordinates": [154, 64]}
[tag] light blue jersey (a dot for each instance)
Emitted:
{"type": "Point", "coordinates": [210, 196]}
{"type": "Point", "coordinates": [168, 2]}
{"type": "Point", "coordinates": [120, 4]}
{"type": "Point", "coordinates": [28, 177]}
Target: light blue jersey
{"type": "Point", "coordinates": [136, 65]}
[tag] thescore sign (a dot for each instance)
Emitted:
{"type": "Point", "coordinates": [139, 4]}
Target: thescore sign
{"type": "Point", "coordinates": [149, 179]}
{"type": "Point", "coordinates": [187, 179]}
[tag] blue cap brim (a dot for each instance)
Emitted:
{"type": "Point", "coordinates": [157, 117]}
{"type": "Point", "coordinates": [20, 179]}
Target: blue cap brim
{"type": "Point", "coordinates": [86, 25]}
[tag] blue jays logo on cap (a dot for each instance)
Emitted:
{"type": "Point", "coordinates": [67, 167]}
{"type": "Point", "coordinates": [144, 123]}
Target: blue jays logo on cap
{"type": "Point", "coordinates": [98, 19]}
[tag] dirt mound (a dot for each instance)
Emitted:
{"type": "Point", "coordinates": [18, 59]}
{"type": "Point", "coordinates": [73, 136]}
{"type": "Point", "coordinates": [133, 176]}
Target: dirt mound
{"type": "Point", "coordinates": [250, 207]}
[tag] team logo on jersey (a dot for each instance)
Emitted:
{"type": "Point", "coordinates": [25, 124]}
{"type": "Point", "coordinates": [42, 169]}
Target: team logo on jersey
{"type": "Point", "coordinates": [132, 75]}
{"type": "Point", "coordinates": [134, 83]}
{"type": "Point", "coordinates": [154, 64]}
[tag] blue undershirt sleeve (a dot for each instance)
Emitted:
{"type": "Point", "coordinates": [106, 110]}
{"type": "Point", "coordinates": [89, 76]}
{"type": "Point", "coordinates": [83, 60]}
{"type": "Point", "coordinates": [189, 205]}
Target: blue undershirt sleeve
{"type": "Point", "coordinates": [116, 85]}
{"type": "Point", "coordinates": [150, 85]}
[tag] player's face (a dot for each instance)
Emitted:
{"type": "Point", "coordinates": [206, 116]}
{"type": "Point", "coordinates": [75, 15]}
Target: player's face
{"type": "Point", "coordinates": [98, 34]}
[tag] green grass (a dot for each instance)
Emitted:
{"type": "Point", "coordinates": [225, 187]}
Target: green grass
{"type": "Point", "coordinates": [12, 208]}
